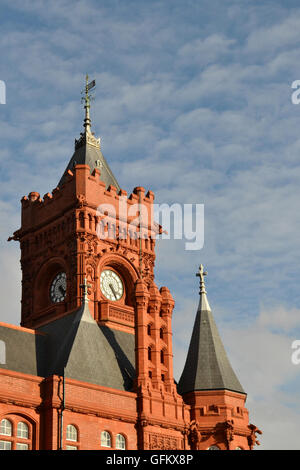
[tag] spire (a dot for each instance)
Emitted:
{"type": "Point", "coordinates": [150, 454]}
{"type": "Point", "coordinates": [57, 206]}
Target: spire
{"type": "Point", "coordinates": [207, 366]}
{"type": "Point", "coordinates": [87, 137]}
{"type": "Point", "coordinates": [203, 298]}
{"type": "Point", "coordinates": [84, 287]}
{"type": "Point", "coordinates": [86, 99]}
{"type": "Point", "coordinates": [88, 147]}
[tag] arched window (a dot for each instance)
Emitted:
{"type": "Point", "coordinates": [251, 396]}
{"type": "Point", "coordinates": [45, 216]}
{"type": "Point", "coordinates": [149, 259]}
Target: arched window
{"type": "Point", "coordinates": [213, 448]}
{"type": "Point", "coordinates": [149, 330]}
{"type": "Point", "coordinates": [120, 442]}
{"type": "Point", "coordinates": [17, 434]}
{"type": "Point", "coordinates": [149, 353]}
{"type": "Point", "coordinates": [5, 427]}
{"type": "Point", "coordinates": [105, 439]}
{"type": "Point", "coordinates": [22, 430]}
{"type": "Point", "coordinates": [71, 433]}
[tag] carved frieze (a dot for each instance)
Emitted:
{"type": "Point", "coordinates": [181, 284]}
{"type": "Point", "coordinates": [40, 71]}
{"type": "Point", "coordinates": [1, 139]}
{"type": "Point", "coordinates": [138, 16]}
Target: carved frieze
{"type": "Point", "coordinates": [162, 442]}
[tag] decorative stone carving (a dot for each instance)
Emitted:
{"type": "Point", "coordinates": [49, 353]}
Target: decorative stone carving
{"type": "Point", "coordinates": [194, 436]}
{"type": "Point", "coordinates": [252, 438]}
{"type": "Point", "coordinates": [162, 442]}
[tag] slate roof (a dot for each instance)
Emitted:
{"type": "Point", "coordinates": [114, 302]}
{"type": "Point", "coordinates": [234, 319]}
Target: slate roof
{"type": "Point", "coordinates": [87, 154]}
{"type": "Point", "coordinates": [22, 351]}
{"type": "Point", "coordinates": [207, 366]}
{"type": "Point", "coordinates": [88, 352]}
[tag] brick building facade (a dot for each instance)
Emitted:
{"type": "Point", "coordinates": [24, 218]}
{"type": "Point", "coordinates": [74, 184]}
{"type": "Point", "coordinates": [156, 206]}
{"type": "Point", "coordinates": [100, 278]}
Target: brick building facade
{"type": "Point", "coordinates": [91, 366]}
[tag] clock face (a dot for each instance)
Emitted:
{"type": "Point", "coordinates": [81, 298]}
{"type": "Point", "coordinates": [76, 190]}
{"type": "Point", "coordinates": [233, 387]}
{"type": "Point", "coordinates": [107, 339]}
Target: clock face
{"type": "Point", "coordinates": [58, 288]}
{"type": "Point", "coordinates": [111, 285]}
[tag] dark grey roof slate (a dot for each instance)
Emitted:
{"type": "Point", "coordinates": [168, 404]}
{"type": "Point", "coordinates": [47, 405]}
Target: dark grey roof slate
{"type": "Point", "coordinates": [23, 351]}
{"type": "Point", "coordinates": [89, 352]}
{"type": "Point", "coordinates": [207, 366]}
{"type": "Point", "coordinates": [90, 155]}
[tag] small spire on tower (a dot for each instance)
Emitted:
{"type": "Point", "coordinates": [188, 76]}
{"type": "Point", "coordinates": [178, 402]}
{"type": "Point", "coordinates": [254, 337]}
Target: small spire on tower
{"type": "Point", "coordinates": [87, 137]}
{"type": "Point", "coordinates": [86, 99]}
{"type": "Point", "coordinates": [84, 288]}
{"type": "Point", "coordinates": [201, 273]}
{"type": "Point", "coordinates": [203, 299]}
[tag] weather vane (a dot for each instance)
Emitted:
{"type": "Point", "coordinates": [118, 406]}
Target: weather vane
{"type": "Point", "coordinates": [86, 99]}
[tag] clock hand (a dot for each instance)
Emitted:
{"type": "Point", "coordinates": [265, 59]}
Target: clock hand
{"type": "Point", "coordinates": [113, 291]}
{"type": "Point", "coordinates": [62, 290]}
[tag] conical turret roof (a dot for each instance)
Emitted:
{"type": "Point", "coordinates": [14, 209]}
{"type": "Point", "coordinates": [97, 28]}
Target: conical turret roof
{"type": "Point", "coordinates": [207, 366]}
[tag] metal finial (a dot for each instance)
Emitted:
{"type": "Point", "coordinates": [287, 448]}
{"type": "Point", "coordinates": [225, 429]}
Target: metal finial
{"type": "Point", "coordinates": [84, 288]}
{"type": "Point", "coordinates": [86, 99]}
{"type": "Point", "coordinates": [201, 274]}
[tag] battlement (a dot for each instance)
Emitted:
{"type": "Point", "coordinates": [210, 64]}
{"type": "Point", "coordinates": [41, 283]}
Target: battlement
{"type": "Point", "coordinates": [85, 191]}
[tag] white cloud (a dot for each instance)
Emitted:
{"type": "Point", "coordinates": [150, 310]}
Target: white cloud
{"type": "Point", "coordinates": [275, 37]}
{"type": "Point", "coordinates": [205, 51]}
{"type": "Point", "coordinates": [198, 114]}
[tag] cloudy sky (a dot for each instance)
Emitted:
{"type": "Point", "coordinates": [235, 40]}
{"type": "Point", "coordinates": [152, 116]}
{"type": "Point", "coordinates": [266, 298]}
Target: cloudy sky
{"type": "Point", "coordinates": [193, 101]}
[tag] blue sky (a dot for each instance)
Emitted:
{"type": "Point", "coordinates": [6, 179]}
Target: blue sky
{"type": "Point", "coordinates": [193, 101]}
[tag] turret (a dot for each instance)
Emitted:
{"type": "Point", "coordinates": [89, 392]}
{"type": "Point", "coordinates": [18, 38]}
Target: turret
{"type": "Point", "coordinates": [219, 419]}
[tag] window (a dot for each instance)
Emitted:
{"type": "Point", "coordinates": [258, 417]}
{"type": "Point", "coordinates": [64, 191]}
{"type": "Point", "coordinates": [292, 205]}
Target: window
{"type": "Point", "coordinates": [22, 446]}
{"type": "Point", "coordinates": [5, 427]}
{"type": "Point", "coordinates": [105, 439]}
{"type": "Point", "coordinates": [149, 330]}
{"type": "Point", "coordinates": [213, 448]}
{"type": "Point", "coordinates": [149, 353]}
{"type": "Point", "coordinates": [22, 430]}
{"type": "Point", "coordinates": [71, 448]}
{"type": "Point", "coordinates": [5, 445]}
{"type": "Point", "coordinates": [19, 433]}
{"type": "Point", "coordinates": [162, 356]}
{"type": "Point", "coordinates": [71, 433]}
{"type": "Point", "coordinates": [161, 333]}
{"type": "Point", "coordinates": [120, 442]}
{"type": "Point", "coordinates": [213, 409]}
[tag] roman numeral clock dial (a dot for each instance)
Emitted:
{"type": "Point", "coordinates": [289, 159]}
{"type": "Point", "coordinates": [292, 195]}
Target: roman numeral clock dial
{"type": "Point", "coordinates": [58, 288]}
{"type": "Point", "coordinates": [111, 285]}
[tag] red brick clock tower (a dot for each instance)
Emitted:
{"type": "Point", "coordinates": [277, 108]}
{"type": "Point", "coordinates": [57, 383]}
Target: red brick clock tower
{"type": "Point", "coordinates": [91, 366]}
{"type": "Point", "coordinates": [88, 228]}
